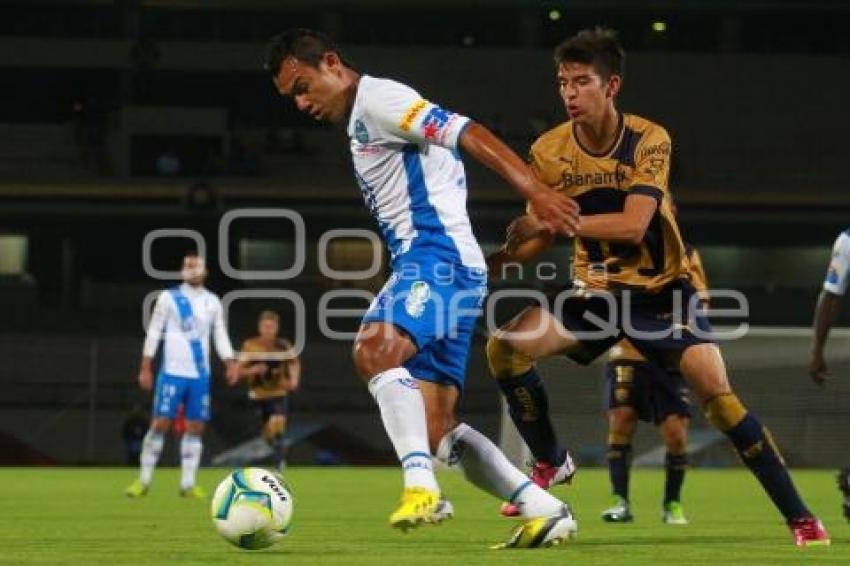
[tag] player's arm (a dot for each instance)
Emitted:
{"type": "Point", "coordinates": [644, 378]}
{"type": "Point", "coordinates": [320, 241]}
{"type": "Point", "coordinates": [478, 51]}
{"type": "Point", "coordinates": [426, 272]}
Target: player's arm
{"type": "Point", "coordinates": [526, 239]}
{"type": "Point", "coordinates": [556, 212]}
{"type": "Point", "coordinates": [293, 369]}
{"type": "Point", "coordinates": [828, 306]}
{"type": "Point", "coordinates": [152, 340]}
{"type": "Point", "coordinates": [402, 112]}
{"type": "Point", "coordinates": [826, 313]}
{"type": "Point", "coordinates": [648, 186]}
{"type": "Point", "coordinates": [224, 348]}
{"type": "Point", "coordinates": [628, 227]}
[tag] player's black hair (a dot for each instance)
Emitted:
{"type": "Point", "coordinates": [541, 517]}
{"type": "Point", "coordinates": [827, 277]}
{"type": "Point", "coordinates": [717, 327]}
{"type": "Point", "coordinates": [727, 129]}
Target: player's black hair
{"type": "Point", "coordinates": [306, 45]}
{"type": "Point", "coordinates": [598, 47]}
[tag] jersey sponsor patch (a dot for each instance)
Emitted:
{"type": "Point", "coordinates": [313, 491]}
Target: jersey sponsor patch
{"type": "Point", "coordinates": [660, 150]}
{"type": "Point", "coordinates": [361, 134]}
{"type": "Point", "coordinates": [436, 123]}
{"type": "Point", "coordinates": [410, 114]}
{"type": "Point", "coordinates": [415, 302]}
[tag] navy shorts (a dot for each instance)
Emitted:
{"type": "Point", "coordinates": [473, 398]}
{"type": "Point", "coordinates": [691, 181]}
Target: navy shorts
{"type": "Point", "coordinates": [652, 392]}
{"type": "Point", "coordinates": [274, 406]}
{"type": "Point", "coordinates": [652, 322]}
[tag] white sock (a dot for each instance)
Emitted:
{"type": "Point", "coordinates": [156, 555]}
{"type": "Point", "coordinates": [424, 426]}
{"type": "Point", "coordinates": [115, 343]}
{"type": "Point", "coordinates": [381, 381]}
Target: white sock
{"type": "Point", "coordinates": [151, 449]}
{"type": "Point", "coordinates": [190, 458]}
{"type": "Point", "coordinates": [484, 465]}
{"type": "Point", "coordinates": [403, 413]}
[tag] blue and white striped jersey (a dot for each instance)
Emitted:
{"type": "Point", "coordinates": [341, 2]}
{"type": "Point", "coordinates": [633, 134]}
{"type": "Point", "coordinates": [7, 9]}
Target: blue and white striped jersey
{"type": "Point", "coordinates": [167, 325]}
{"type": "Point", "coordinates": [839, 265]}
{"type": "Point", "coordinates": [410, 173]}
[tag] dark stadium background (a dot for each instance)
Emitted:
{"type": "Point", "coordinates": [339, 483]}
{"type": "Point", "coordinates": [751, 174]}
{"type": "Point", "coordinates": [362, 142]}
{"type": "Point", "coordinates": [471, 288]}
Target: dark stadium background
{"type": "Point", "coordinates": [122, 117]}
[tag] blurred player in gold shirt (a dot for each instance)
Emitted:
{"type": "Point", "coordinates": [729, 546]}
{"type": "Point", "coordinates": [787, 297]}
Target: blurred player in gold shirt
{"type": "Point", "coordinates": [630, 276]}
{"type": "Point", "coordinates": [639, 389]}
{"type": "Point", "coordinates": [272, 370]}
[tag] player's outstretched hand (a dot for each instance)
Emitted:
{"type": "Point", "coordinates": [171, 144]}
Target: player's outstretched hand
{"type": "Point", "coordinates": [818, 370]}
{"type": "Point", "coordinates": [146, 379]}
{"type": "Point", "coordinates": [555, 212]}
{"type": "Point", "coordinates": [231, 373]}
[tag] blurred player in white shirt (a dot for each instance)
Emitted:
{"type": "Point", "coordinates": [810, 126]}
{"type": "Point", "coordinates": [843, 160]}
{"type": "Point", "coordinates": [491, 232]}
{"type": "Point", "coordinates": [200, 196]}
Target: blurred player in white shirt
{"type": "Point", "coordinates": [183, 318]}
{"type": "Point", "coordinates": [829, 304]}
{"type": "Point", "coordinates": [826, 313]}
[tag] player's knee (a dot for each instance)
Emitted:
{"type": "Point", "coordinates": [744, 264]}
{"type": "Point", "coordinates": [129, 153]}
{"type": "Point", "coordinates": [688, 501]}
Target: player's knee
{"type": "Point", "coordinates": [160, 424]}
{"type": "Point", "coordinates": [275, 426]}
{"type": "Point", "coordinates": [370, 357]}
{"type": "Point", "coordinates": [504, 360]}
{"type": "Point", "coordinates": [724, 411]}
{"type": "Point", "coordinates": [675, 439]}
{"type": "Point", "coordinates": [377, 352]}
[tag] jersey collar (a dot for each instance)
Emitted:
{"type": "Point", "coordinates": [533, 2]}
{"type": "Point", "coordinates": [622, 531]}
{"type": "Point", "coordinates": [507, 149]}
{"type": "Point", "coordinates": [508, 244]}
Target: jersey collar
{"type": "Point", "coordinates": [620, 129]}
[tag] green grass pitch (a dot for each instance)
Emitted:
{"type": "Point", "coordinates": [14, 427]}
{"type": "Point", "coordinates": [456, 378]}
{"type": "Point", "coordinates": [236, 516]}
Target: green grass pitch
{"type": "Point", "coordinates": [78, 516]}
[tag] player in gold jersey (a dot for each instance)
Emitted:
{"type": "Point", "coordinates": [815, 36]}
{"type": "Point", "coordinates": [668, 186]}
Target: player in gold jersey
{"type": "Point", "coordinates": [629, 177]}
{"type": "Point", "coordinates": [629, 276]}
{"type": "Point", "coordinates": [639, 389]}
{"type": "Point", "coordinates": [273, 372]}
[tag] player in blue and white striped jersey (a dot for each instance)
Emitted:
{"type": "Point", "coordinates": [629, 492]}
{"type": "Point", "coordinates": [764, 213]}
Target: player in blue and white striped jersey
{"type": "Point", "coordinates": [826, 313]}
{"type": "Point", "coordinates": [414, 340]}
{"type": "Point", "coordinates": [184, 318]}
{"type": "Point", "coordinates": [829, 304]}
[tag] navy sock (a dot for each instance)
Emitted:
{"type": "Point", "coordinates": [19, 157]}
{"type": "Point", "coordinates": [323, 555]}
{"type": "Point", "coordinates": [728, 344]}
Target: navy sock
{"type": "Point", "coordinates": [619, 461]}
{"type": "Point", "coordinates": [528, 406]}
{"type": "Point", "coordinates": [758, 452]}
{"type": "Point", "coordinates": [278, 448]}
{"type": "Point", "coordinates": [674, 467]}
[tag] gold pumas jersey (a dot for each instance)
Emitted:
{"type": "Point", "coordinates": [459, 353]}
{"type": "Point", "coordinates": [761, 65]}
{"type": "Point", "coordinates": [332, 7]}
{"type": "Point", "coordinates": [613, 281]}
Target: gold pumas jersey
{"type": "Point", "coordinates": [696, 272]}
{"type": "Point", "coordinates": [274, 381]}
{"type": "Point", "coordinates": [638, 162]}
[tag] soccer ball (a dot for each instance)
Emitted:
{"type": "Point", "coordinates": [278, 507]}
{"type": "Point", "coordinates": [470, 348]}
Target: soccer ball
{"type": "Point", "coordinates": [252, 508]}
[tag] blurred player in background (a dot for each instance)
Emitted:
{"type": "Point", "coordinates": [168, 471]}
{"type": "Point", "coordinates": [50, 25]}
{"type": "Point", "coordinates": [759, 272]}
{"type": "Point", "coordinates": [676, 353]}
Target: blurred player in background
{"type": "Point", "coordinates": [413, 344]}
{"type": "Point", "coordinates": [272, 370]}
{"type": "Point", "coordinates": [630, 270]}
{"type": "Point", "coordinates": [184, 317]}
{"type": "Point", "coordinates": [826, 313]}
{"type": "Point", "coordinates": [639, 389]}
{"type": "Point", "coordinates": [829, 305]}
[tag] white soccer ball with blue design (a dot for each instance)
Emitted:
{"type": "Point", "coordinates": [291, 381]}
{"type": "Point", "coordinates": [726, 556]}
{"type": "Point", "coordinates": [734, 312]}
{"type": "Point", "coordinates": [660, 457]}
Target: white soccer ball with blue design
{"type": "Point", "coordinates": [252, 508]}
